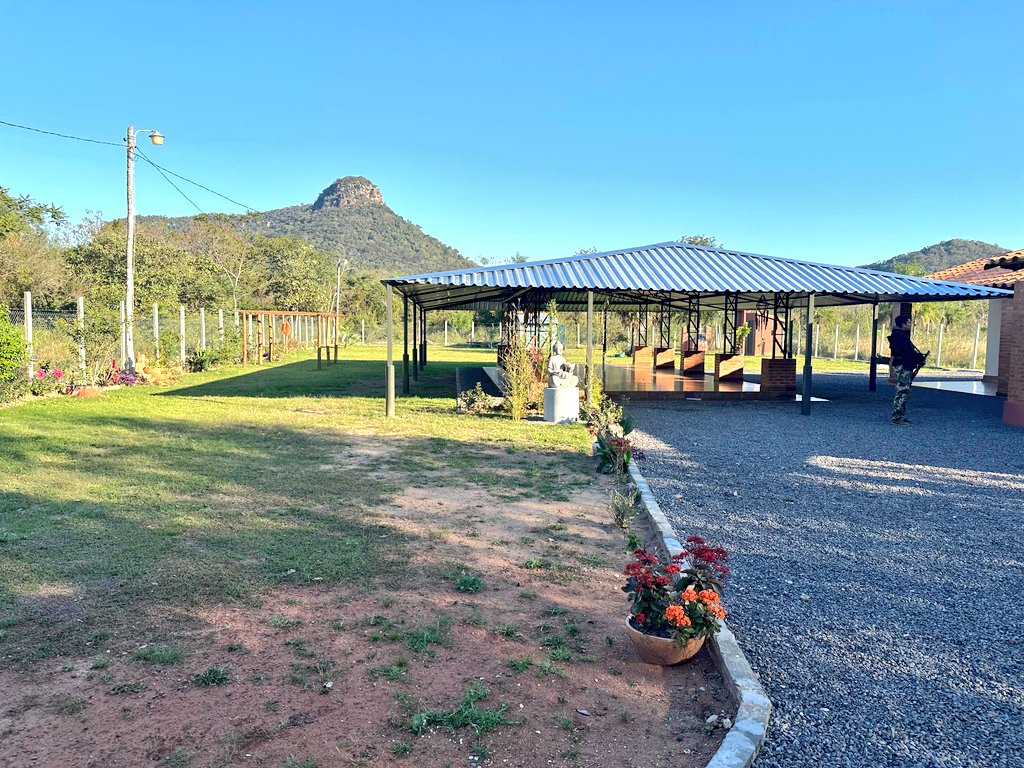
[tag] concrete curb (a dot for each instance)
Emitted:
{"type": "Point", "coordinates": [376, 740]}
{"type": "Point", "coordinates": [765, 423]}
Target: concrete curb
{"type": "Point", "coordinates": [744, 739]}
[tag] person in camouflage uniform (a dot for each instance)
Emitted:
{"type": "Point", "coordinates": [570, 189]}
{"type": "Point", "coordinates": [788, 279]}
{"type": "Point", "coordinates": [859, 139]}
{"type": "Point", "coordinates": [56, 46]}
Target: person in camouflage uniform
{"type": "Point", "coordinates": [905, 361]}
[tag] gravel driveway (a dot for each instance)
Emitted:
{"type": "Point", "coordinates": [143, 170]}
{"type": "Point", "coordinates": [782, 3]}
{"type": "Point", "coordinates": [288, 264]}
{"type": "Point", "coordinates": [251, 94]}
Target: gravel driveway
{"type": "Point", "coordinates": [878, 571]}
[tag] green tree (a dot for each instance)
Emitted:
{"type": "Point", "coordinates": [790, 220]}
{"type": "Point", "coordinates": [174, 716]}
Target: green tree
{"type": "Point", "coordinates": [23, 214]}
{"type": "Point", "coordinates": [299, 277]}
{"type": "Point", "coordinates": [166, 271]}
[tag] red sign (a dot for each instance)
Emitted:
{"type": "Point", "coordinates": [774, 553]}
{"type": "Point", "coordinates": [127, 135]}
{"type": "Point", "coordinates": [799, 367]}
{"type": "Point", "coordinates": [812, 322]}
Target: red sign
{"type": "Point", "coordinates": [286, 328]}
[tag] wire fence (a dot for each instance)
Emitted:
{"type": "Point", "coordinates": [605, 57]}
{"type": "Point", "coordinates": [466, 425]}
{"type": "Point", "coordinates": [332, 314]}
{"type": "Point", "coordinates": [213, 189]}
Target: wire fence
{"type": "Point", "coordinates": [167, 335]}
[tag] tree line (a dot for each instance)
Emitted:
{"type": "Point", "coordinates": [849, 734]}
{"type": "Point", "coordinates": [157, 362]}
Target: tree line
{"type": "Point", "coordinates": [209, 263]}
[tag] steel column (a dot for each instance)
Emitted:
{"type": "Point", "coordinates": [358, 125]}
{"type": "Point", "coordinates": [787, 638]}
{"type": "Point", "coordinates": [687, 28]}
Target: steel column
{"type": "Point", "coordinates": [873, 365]}
{"type": "Point", "coordinates": [805, 400]}
{"type": "Point", "coordinates": [590, 347]}
{"type": "Point", "coordinates": [389, 371]}
{"type": "Point", "coordinates": [405, 345]}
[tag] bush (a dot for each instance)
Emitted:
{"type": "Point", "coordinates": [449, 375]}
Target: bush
{"type": "Point", "coordinates": [13, 357]}
{"type": "Point", "coordinates": [519, 378]}
{"type": "Point", "coordinates": [197, 360]}
{"type": "Point", "coordinates": [475, 400]}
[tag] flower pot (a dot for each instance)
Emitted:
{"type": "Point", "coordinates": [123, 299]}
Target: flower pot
{"type": "Point", "coordinates": [662, 650]}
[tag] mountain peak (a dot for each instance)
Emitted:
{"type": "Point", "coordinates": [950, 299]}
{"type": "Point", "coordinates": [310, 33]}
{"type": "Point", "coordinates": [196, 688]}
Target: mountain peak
{"type": "Point", "coordinates": [351, 190]}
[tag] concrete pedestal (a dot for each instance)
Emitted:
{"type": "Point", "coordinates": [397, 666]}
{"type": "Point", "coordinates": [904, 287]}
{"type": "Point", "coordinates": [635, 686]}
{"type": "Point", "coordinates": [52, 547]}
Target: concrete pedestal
{"type": "Point", "coordinates": [561, 404]}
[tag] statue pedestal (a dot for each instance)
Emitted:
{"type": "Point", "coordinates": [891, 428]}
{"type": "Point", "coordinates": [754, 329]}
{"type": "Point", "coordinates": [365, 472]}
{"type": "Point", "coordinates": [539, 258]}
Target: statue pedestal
{"type": "Point", "coordinates": [561, 404]}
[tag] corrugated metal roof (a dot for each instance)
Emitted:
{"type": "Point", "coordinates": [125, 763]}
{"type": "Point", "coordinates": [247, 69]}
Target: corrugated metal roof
{"type": "Point", "coordinates": [671, 272]}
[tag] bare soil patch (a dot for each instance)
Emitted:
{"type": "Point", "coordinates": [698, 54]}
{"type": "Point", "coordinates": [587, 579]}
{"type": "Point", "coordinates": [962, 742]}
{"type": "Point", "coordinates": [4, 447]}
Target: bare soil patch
{"type": "Point", "coordinates": [515, 609]}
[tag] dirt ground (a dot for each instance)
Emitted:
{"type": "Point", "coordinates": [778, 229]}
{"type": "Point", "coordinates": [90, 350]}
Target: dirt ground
{"type": "Point", "coordinates": [518, 602]}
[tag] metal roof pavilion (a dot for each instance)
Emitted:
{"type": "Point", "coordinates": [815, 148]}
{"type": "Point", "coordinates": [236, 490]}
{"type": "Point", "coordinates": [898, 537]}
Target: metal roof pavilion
{"type": "Point", "coordinates": [672, 274]}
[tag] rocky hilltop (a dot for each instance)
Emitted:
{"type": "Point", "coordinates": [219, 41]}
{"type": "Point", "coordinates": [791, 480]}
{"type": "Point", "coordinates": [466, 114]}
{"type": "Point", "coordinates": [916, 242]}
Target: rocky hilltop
{"type": "Point", "coordinates": [351, 190]}
{"type": "Point", "coordinates": [350, 219]}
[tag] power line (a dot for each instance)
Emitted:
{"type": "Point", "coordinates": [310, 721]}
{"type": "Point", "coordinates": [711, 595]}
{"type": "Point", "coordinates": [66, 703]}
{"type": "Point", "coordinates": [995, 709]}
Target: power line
{"type": "Point", "coordinates": [158, 170]}
{"type": "Point", "coordinates": [61, 135]}
{"type": "Point", "coordinates": [196, 183]}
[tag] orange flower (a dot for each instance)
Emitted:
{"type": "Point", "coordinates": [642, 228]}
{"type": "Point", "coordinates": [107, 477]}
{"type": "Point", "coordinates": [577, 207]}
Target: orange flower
{"type": "Point", "coordinates": [690, 595]}
{"type": "Point", "coordinates": [709, 596]}
{"type": "Point", "coordinates": [677, 615]}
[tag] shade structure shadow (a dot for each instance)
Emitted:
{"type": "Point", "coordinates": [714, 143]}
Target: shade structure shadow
{"type": "Point", "coordinates": [347, 378]}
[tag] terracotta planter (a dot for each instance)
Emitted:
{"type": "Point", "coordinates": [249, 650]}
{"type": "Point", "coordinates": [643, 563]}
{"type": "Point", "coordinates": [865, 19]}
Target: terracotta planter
{"type": "Point", "coordinates": [662, 650]}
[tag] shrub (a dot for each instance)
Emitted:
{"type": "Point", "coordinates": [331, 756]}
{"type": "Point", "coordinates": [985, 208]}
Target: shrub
{"type": "Point", "coordinates": [197, 360]}
{"type": "Point", "coordinates": [519, 378]}
{"type": "Point", "coordinates": [475, 400]}
{"type": "Point", "coordinates": [13, 357]}
{"type": "Point", "coordinates": [46, 381]}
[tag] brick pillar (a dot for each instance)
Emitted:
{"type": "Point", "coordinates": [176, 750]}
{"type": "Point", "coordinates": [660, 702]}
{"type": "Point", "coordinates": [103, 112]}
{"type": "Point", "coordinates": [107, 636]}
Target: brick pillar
{"type": "Point", "coordinates": [1012, 342]}
{"type": "Point", "coordinates": [1009, 329]}
{"type": "Point", "coordinates": [778, 377]}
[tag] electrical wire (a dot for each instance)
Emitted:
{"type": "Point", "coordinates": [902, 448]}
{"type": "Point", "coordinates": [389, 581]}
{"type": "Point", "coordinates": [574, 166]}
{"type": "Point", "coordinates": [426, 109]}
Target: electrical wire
{"type": "Point", "coordinates": [141, 154]}
{"type": "Point", "coordinates": [61, 135]}
{"type": "Point", "coordinates": [196, 183]}
{"type": "Point", "coordinates": [160, 169]}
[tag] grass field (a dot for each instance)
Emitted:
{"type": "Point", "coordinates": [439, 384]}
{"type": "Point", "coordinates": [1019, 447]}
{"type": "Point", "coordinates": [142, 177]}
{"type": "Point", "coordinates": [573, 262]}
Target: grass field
{"type": "Point", "coordinates": [214, 489]}
{"type": "Point", "coordinates": [255, 567]}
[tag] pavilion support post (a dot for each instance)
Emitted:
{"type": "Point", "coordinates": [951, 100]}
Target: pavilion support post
{"type": "Point", "coordinates": [389, 371]}
{"type": "Point", "coordinates": [423, 338]}
{"type": "Point", "coordinates": [805, 400]}
{"type": "Point", "coordinates": [416, 330]}
{"type": "Point", "coordinates": [590, 347]}
{"type": "Point", "coordinates": [405, 345]}
{"type": "Point", "coordinates": [604, 338]}
{"type": "Point", "coordinates": [873, 365]}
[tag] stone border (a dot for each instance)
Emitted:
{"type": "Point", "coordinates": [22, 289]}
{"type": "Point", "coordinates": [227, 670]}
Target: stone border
{"type": "Point", "coordinates": [744, 739]}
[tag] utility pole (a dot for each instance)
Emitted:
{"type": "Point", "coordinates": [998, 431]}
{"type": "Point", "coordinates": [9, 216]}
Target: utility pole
{"type": "Point", "coordinates": [129, 319]}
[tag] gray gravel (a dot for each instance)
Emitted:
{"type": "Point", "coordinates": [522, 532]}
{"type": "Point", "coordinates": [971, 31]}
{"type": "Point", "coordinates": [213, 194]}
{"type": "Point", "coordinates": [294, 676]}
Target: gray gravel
{"type": "Point", "coordinates": [878, 571]}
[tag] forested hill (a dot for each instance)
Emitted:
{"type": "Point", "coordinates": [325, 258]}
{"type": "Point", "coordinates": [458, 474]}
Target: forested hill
{"type": "Point", "coordinates": [942, 255]}
{"type": "Point", "coordinates": [350, 219]}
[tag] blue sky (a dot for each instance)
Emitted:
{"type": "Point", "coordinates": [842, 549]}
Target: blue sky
{"type": "Point", "coordinates": [843, 132]}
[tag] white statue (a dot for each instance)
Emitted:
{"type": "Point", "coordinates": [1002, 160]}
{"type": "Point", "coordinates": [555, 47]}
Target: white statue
{"type": "Point", "coordinates": [561, 374]}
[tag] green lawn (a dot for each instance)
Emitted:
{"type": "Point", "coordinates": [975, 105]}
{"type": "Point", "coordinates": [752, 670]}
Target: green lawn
{"type": "Point", "coordinates": [149, 500]}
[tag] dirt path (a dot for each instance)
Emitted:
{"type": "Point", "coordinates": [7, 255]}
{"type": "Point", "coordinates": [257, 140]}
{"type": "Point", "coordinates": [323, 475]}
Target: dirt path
{"type": "Point", "coordinates": [516, 614]}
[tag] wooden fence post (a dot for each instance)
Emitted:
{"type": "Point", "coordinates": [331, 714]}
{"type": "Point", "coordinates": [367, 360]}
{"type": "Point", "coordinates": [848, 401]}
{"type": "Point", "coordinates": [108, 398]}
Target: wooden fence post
{"type": "Point", "coordinates": [81, 336]}
{"type": "Point", "coordinates": [181, 331]}
{"type": "Point", "coordinates": [156, 334]}
{"type": "Point", "coordinates": [124, 340]}
{"type": "Point", "coordinates": [28, 332]}
{"type": "Point", "coordinates": [977, 338]}
{"type": "Point", "coordinates": [202, 327]}
{"type": "Point", "coordinates": [220, 324]}
{"type": "Point", "coordinates": [938, 353]}
{"type": "Point", "coordinates": [259, 339]}
{"type": "Point", "coordinates": [835, 348]}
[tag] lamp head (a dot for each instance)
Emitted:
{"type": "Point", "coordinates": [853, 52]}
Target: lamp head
{"type": "Point", "coordinates": [157, 138]}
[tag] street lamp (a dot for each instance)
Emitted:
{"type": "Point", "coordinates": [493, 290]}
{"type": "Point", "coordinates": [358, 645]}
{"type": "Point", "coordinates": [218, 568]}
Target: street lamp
{"type": "Point", "coordinates": [129, 303]}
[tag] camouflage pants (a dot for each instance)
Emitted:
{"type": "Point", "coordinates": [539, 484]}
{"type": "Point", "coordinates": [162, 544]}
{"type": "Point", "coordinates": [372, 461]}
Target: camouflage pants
{"type": "Point", "coordinates": [904, 376]}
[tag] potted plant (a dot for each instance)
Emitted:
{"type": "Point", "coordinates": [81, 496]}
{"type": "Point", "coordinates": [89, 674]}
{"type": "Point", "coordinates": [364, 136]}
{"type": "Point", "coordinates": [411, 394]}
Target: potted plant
{"type": "Point", "coordinates": [675, 606]}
